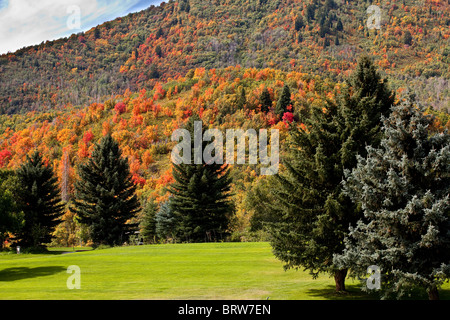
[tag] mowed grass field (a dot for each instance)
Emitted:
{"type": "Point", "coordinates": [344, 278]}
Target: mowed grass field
{"type": "Point", "coordinates": [169, 271]}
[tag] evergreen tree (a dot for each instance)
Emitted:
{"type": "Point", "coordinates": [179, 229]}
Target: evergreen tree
{"type": "Point", "coordinates": [361, 111]}
{"type": "Point", "coordinates": [312, 214]}
{"type": "Point", "coordinates": [265, 100]}
{"type": "Point", "coordinates": [200, 196]}
{"type": "Point", "coordinates": [39, 199]}
{"type": "Point", "coordinates": [165, 222]}
{"type": "Point", "coordinates": [241, 98]}
{"type": "Point", "coordinates": [407, 37]}
{"type": "Point", "coordinates": [336, 40]}
{"type": "Point", "coordinates": [105, 195]}
{"type": "Point", "coordinates": [158, 51]}
{"type": "Point", "coordinates": [284, 101]}
{"type": "Point", "coordinates": [298, 23]}
{"type": "Point", "coordinates": [310, 12]}
{"type": "Point", "coordinates": [339, 25]}
{"type": "Point", "coordinates": [148, 223]}
{"type": "Point", "coordinates": [154, 73]}
{"type": "Point", "coordinates": [10, 215]}
{"type": "Point", "coordinates": [403, 188]}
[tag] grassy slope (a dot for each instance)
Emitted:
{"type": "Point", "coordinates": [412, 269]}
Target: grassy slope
{"type": "Point", "coordinates": [181, 271]}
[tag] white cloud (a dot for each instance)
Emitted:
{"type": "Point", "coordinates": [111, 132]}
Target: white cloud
{"type": "Point", "coordinates": [29, 22]}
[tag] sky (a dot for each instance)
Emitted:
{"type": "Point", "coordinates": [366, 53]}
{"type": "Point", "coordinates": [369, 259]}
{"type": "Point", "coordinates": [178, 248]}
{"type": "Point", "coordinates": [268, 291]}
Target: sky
{"type": "Point", "coordinates": [29, 22]}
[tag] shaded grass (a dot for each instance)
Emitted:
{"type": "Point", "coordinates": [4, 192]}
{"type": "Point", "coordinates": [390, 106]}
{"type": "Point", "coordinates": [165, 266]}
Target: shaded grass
{"type": "Point", "coordinates": [169, 271]}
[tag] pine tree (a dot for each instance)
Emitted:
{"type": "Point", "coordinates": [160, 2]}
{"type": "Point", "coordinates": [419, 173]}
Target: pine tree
{"type": "Point", "coordinates": [336, 40]}
{"type": "Point", "coordinates": [39, 199]}
{"type": "Point", "coordinates": [241, 100]}
{"type": "Point", "coordinates": [105, 195]}
{"type": "Point", "coordinates": [313, 216]}
{"type": "Point", "coordinates": [284, 101]}
{"type": "Point", "coordinates": [407, 37]}
{"type": "Point", "coordinates": [165, 222]}
{"type": "Point", "coordinates": [313, 212]}
{"type": "Point", "coordinates": [403, 188]}
{"type": "Point", "coordinates": [200, 196]}
{"type": "Point", "coordinates": [298, 23]}
{"type": "Point", "coordinates": [339, 25]}
{"type": "Point", "coordinates": [361, 111]}
{"type": "Point", "coordinates": [148, 223]}
{"type": "Point", "coordinates": [10, 216]}
{"type": "Point", "coordinates": [265, 100]}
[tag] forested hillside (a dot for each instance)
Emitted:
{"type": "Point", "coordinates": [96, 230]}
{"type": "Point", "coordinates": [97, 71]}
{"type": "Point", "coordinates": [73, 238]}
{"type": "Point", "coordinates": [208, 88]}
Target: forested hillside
{"type": "Point", "coordinates": [142, 76]}
{"type": "Point", "coordinates": [165, 42]}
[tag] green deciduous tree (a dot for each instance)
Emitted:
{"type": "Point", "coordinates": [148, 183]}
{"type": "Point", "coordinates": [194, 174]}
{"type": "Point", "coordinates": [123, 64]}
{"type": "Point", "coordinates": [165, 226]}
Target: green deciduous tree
{"type": "Point", "coordinates": [105, 196]}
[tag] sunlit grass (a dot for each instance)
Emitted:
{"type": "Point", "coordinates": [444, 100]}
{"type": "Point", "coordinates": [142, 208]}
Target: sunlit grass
{"type": "Point", "coordinates": [170, 271]}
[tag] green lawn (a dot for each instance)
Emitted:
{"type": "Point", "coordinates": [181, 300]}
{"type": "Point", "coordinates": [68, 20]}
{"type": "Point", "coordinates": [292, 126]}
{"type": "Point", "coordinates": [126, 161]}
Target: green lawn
{"type": "Point", "coordinates": [172, 271]}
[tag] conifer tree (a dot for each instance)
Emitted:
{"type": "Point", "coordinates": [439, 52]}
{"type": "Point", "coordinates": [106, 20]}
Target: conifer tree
{"type": "Point", "coordinates": [265, 100]}
{"type": "Point", "coordinates": [241, 98]}
{"type": "Point", "coordinates": [200, 196]}
{"type": "Point", "coordinates": [10, 215]}
{"type": "Point", "coordinates": [284, 101]}
{"type": "Point", "coordinates": [311, 222]}
{"type": "Point", "coordinates": [148, 223]}
{"type": "Point", "coordinates": [361, 108]}
{"type": "Point", "coordinates": [298, 23]}
{"type": "Point", "coordinates": [105, 194]}
{"type": "Point", "coordinates": [311, 214]}
{"type": "Point", "coordinates": [39, 199]}
{"type": "Point", "coordinates": [165, 221]}
{"type": "Point", "coordinates": [403, 188]}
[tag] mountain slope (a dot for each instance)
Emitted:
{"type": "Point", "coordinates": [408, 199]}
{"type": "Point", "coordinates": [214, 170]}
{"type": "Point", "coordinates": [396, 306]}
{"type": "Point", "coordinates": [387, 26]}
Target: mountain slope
{"type": "Point", "coordinates": [159, 43]}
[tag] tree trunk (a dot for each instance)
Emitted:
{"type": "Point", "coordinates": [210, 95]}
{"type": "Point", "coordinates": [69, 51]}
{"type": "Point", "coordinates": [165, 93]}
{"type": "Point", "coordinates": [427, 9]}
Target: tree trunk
{"type": "Point", "coordinates": [339, 278]}
{"type": "Point", "coordinates": [433, 294]}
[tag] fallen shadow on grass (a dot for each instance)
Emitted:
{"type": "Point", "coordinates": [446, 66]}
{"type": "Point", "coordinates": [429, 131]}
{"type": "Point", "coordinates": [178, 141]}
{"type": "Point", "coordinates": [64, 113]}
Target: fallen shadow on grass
{"type": "Point", "coordinates": [354, 292]}
{"type": "Point", "coordinates": [65, 252]}
{"type": "Point", "coordinates": [19, 273]}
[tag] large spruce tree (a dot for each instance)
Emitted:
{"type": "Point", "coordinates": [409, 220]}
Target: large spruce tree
{"type": "Point", "coordinates": [403, 188]}
{"type": "Point", "coordinates": [105, 195]}
{"type": "Point", "coordinates": [361, 106]}
{"type": "Point", "coordinates": [311, 212]}
{"type": "Point", "coordinates": [39, 199]}
{"type": "Point", "coordinates": [200, 196]}
{"type": "Point", "coordinates": [311, 215]}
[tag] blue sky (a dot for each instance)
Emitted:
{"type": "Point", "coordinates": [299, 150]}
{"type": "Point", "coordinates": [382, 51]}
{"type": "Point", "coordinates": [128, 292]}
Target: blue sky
{"type": "Point", "coordinates": [29, 22]}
